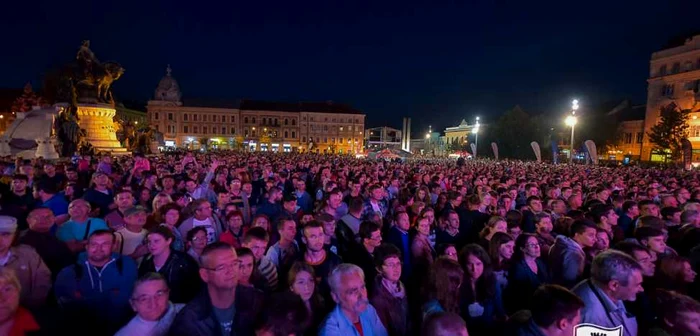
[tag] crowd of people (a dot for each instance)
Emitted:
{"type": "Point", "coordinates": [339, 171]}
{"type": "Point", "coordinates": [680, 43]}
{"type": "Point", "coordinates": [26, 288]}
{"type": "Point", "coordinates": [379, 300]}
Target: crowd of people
{"type": "Point", "coordinates": [230, 243]}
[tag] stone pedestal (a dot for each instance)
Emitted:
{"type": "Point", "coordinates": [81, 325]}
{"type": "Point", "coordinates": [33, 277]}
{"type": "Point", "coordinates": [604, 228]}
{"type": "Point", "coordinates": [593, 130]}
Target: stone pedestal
{"type": "Point", "coordinates": [5, 149]}
{"type": "Point", "coordinates": [98, 121]}
{"type": "Point", "coordinates": [46, 148]}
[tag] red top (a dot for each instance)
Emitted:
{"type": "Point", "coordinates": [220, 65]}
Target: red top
{"type": "Point", "coordinates": [358, 326]}
{"type": "Point", "coordinates": [24, 323]}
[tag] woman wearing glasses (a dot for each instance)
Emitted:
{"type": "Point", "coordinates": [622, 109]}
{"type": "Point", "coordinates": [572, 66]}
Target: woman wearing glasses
{"type": "Point", "coordinates": [526, 274]}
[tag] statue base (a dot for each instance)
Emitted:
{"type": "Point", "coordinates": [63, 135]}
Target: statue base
{"type": "Point", "coordinates": [46, 148]}
{"type": "Point", "coordinates": [98, 122]}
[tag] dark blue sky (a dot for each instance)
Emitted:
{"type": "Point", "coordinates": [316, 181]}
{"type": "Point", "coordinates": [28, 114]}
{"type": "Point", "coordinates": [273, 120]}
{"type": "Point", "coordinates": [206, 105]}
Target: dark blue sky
{"type": "Point", "coordinates": [436, 61]}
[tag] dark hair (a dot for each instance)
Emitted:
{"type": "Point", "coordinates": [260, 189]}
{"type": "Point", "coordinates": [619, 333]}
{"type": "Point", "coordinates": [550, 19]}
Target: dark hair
{"type": "Point", "coordinates": [244, 251]}
{"type": "Point", "coordinates": [580, 226]}
{"type": "Point", "coordinates": [256, 233]}
{"type": "Point", "coordinates": [443, 324]}
{"type": "Point", "coordinates": [599, 211]}
{"type": "Point", "coordinates": [486, 284]}
{"type": "Point", "coordinates": [311, 224]}
{"type": "Point", "coordinates": [498, 239]}
{"type": "Point", "coordinates": [280, 221]}
{"type": "Point", "coordinates": [46, 187]}
{"type": "Point", "coordinates": [627, 205]}
{"type": "Point", "coordinates": [191, 233]}
{"type": "Point", "coordinates": [164, 231]}
{"type": "Point", "coordinates": [630, 247]}
{"type": "Point", "coordinates": [286, 314]}
{"type": "Point", "coordinates": [384, 252]}
{"type": "Point", "coordinates": [444, 280]}
{"type": "Point", "coordinates": [552, 303]}
{"type": "Point", "coordinates": [670, 305]}
{"type": "Point", "coordinates": [667, 212]}
{"type": "Point", "coordinates": [646, 232]}
{"type": "Point", "coordinates": [233, 214]}
{"type": "Point", "coordinates": [520, 243]}
{"type": "Point", "coordinates": [367, 228]}
{"type": "Point", "coordinates": [20, 177]}
{"type": "Point", "coordinates": [103, 232]}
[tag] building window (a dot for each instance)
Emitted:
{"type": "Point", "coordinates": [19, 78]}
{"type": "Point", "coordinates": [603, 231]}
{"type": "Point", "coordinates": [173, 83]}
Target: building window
{"type": "Point", "coordinates": [687, 66]}
{"type": "Point", "coordinates": [195, 117]}
{"type": "Point", "coordinates": [233, 119]}
{"type": "Point", "coordinates": [676, 68]}
{"type": "Point", "coordinates": [303, 139]}
{"type": "Point", "coordinates": [253, 120]}
{"type": "Point", "coordinates": [223, 119]}
{"type": "Point", "coordinates": [304, 118]}
{"type": "Point", "coordinates": [172, 129]}
{"type": "Point", "coordinates": [286, 134]}
{"type": "Point", "coordinates": [286, 122]}
{"type": "Point", "coordinates": [245, 120]}
{"type": "Point", "coordinates": [640, 137]}
{"type": "Point", "coordinates": [233, 130]}
{"type": "Point", "coordinates": [204, 117]}
{"type": "Point", "coordinates": [662, 70]}
{"type": "Point", "coordinates": [340, 141]}
{"type": "Point", "coordinates": [667, 90]}
{"type": "Point", "coordinates": [341, 128]}
{"type": "Point", "coordinates": [213, 130]}
{"type": "Point", "coordinates": [185, 117]}
{"type": "Point", "coordinates": [264, 121]}
{"type": "Point", "coordinates": [312, 119]}
{"type": "Point", "coordinates": [204, 129]}
{"type": "Point", "coordinates": [186, 129]}
{"type": "Point", "coordinates": [223, 129]}
{"type": "Point", "coordinates": [318, 140]}
{"type": "Point", "coordinates": [325, 140]}
{"type": "Point", "coordinates": [294, 122]}
{"type": "Point", "coordinates": [332, 140]}
{"type": "Point", "coordinates": [156, 116]}
{"type": "Point", "coordinates": [253, 133]}
{"type": "Point", "coordinates": [195, 130]}
{"type": "Point", "coordinates": [325, 119]}
{"type": "Point", "coordinates": [294, 134]}
{"type": "Point", "coordinates": [628, 138]}
{"type": "Point", "coordinates": [695, 131]}
{"type": "Point", "coordinates": [245, 132]}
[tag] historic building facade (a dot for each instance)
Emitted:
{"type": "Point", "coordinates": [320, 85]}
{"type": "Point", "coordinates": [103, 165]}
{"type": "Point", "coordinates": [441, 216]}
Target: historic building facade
{"type": "Point", "coordinates": [459, 135]}
{"type": "Point", "coordinates": [674, 77]}
{"type": "Point", "coordinates": [324, 127]}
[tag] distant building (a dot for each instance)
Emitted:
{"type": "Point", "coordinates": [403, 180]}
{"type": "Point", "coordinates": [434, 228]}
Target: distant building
{"type": "Point", "coordinates": [131, 114]}
{"type": "Point", "coordinates": [383, 137]}
{"type": "Point", "coordinates": [320, 127]}
{"type": "Point", "coordinates": [674, 77]}
{"type": "Point", "coordinates": [459, 135]}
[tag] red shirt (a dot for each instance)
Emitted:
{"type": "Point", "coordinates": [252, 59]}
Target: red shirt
{"type": "Point", "coordinates": [24, 323]}
{"type": "Point", "coordinates": [358, 326]}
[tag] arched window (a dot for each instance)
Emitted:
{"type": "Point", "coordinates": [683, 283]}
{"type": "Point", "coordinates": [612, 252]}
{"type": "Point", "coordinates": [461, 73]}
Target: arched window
{"type": "Point", "coordinates": [245, 120]}
{"type": "Point", "coordinates": [286, 122]}
{"type": "Point", "coordinates": [294, 122]}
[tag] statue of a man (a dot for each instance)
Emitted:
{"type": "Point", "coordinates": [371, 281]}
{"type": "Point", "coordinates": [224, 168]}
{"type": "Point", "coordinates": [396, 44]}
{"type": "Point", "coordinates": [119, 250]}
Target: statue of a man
{"type": "Point", "coordinates": [86, 58]}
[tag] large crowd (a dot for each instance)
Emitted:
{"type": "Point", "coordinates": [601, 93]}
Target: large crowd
{"type": "Point", "coordinates": [228, 243]}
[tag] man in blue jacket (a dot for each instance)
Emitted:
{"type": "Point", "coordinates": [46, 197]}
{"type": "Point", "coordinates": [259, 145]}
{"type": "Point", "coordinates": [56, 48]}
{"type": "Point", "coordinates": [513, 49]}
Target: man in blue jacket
{"type": "Point", "coordinates": [353, 314]}
{"type": "Point", "coordinates": [94, 293]}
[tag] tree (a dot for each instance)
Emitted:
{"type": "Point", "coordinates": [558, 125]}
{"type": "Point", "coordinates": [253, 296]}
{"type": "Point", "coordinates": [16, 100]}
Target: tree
{"type": "Point", "coordinates": [513, 133]}
{"type": "Point", "coordinates": [671, 129]}
{"type": "Point", "coordinates": [27, 100]}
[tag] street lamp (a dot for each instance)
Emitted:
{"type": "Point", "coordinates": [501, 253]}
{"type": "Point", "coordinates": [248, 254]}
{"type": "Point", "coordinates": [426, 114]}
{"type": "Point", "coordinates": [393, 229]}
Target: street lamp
{"type": "Point", "coordinates": [476, 136]}
{"type": "Point", "coordinates": [571, 122]}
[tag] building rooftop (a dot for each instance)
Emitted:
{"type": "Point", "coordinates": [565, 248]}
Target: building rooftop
{"type": "Point", "coordinates": [261, 105]}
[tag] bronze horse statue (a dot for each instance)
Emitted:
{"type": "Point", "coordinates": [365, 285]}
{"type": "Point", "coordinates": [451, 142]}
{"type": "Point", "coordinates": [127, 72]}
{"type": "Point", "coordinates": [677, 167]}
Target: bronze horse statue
{"type": "Point", "coordinates": [101, 79]}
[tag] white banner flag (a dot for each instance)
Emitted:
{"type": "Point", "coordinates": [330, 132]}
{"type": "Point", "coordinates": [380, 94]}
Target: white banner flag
{"type": "Point", "coordinates": [592, 152]}
{"type": "Point", "coordinates": [494, 146]}
{"type": "Point", "coordinates": [536, 148]}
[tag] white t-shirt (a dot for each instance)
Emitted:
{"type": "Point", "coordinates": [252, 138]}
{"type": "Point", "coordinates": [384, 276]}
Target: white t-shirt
{"type": "Point", "coordinates": [211, 233]}
{"type": "Point", "coordinates": [141, 327]}
{"type": "Point", "coordinates": [132, 240]}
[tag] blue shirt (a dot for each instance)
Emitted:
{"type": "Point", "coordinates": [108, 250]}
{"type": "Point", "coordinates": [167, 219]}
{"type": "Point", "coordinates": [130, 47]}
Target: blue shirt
{"type": "Point", "coordinates": [337, 324]}
{"type": "Point", "coordinates": [57, 204]}
{"type": "Point", "coordinates": [72, 230]}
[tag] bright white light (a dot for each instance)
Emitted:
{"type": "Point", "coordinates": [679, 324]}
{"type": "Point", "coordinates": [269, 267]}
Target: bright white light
{"type": "Point", "coordinates": [427, 136]}
{"type": "Point", "coordinates": [136, 122]}
{"type": "Point", "coordinates": [475, 130]}
{"type": "Point", "coordinates": [574, 105]}
{"type": "Point", "coordinates": [571, 121]}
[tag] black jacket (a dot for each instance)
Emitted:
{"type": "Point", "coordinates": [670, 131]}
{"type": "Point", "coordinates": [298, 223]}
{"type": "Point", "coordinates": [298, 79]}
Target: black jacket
{"type": "Point", "coordinates": [197, 318]}
{"type": "Point", "coordinates": [181, 273]}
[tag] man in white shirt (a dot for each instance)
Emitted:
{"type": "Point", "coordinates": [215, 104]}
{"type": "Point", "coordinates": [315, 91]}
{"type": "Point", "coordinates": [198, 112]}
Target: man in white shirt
{"type": "Point", "coordinates": [130, 238]}
{"type": "Point", "coordinates": [154, 312]}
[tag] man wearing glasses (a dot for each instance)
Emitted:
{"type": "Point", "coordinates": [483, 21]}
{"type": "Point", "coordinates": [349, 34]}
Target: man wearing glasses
{"type": "Point", "coordinates": [224, 308]}
{"type": "Point", "coordinates": [154, 311]}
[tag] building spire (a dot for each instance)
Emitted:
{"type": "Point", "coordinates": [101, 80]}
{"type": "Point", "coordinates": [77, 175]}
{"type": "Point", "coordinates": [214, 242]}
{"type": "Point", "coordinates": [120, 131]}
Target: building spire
{"type": "Point", "coordinates": [168, 70]}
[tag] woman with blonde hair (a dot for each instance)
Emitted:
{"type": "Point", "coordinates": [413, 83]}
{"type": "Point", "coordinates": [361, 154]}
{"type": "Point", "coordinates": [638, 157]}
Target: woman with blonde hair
{"type": "Point", "coordinates": [495, 224]}
{"type": "Point", "coordinates": [156, 216]}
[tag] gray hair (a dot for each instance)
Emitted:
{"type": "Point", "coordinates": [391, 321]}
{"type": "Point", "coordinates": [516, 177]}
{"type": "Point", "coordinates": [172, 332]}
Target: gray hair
{"type": "Point", "coordinates": [613, 265]}
{"type": "Point", "coordinates": [688, 215]}
{"type": "Point", "coordinates": [341, 270]}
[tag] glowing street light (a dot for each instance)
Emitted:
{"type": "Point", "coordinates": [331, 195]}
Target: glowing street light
{"type": "Point", "coordinates": [476, 136]}
{"type": "Point", "coordinates": [571, 122]}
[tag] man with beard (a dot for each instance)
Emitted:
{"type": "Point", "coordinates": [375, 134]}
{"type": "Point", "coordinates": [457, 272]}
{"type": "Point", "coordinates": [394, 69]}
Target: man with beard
{"type": "Point", "coordinates": [94, 293]}
{"type": "Point", "coordinates": [353, 314]}
{"type": "Point", "coordinates": [316, 255]}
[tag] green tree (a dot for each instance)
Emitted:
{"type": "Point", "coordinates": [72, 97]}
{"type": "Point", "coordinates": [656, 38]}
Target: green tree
{"type": "Point", "coordinates": [513, 133]}
{"type": "Point", "coordinates": [671, 129]}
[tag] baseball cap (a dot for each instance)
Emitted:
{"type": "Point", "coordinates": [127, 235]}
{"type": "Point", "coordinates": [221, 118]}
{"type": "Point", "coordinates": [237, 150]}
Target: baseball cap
{"type": "Point", "coordinates": [134, 210]}
{"type": "Point", "coordinates": [8, 224]}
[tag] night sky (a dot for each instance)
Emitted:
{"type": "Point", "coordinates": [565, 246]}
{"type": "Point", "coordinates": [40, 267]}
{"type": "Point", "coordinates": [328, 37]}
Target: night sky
{"type": "Point", "coordinates": [437, 63]}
